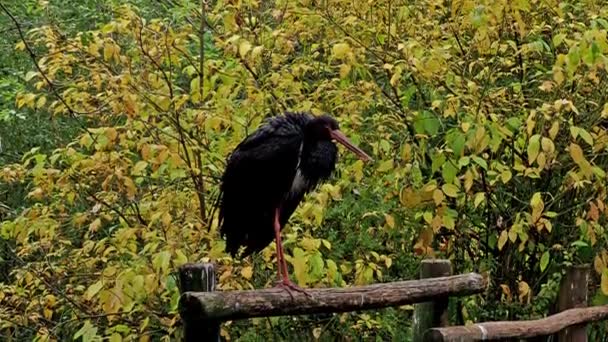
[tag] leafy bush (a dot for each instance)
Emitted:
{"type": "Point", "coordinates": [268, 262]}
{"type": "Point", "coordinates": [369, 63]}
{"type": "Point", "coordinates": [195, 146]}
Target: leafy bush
{"type": "Point", "coordinates": [486, 118]}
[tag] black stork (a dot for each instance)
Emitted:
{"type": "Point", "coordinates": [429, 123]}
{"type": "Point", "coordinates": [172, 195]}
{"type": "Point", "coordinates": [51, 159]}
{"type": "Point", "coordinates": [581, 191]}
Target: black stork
{"type": "Point", "coordinates": [268, 174]}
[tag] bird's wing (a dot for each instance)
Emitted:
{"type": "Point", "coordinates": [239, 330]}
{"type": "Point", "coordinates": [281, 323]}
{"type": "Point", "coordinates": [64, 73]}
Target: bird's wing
{"type": "Point", "coordinates": [258, 174]}
{"type": "Point", "coordinates": [283, 128]}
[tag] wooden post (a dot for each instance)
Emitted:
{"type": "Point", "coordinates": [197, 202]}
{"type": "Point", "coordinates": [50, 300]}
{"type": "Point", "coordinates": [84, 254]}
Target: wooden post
{"type": "Point", "coordinates": [428, 315]}
{"type": "Point", "coordinates": [198, 278]}
{"type": "Point", "coordinates": [573, 294]}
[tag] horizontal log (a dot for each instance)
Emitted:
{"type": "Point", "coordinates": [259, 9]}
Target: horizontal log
{"type": "Point", "coordinates": [232, 305]}
{"type": "Point", "coordinates": [518, 329]}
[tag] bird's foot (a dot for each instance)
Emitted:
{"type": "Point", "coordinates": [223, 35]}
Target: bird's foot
{"type": "Point", "coordinates": [290, 287]}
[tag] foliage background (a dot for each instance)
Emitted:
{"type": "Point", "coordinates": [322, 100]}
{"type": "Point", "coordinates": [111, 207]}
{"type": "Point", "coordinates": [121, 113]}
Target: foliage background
{"type": "Point", "coordinates": [487, 120]}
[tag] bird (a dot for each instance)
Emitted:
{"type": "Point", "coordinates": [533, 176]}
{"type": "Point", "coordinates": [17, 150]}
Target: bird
{"type": "Point", "coordinates": [268, 174]}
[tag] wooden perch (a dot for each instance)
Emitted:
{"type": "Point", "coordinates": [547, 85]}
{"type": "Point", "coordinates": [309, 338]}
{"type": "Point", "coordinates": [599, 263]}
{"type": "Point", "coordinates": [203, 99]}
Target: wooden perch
{"type": "Point", "coordinates": [518, 329]}
{"type": "Point", "coordinates": [278, 302]}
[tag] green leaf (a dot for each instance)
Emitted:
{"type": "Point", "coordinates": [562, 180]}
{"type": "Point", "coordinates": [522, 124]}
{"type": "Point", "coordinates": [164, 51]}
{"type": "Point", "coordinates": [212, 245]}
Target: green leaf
{"type": "Point", "coordinates": [88, 332]}
{"type": "Point", "coordinates": [450, 190]}
{"type": "Point", "coordinates": [93, 290]}
{"type": "Point", "coordinates": [513, 124]}
{"type": "Point", "coordinates": [438, 161]}
{"type": "Point", "coordinates": [479, 197]}
{"type": "Point", "coordinates": [544, 261]}
{"type": "Point", "coordinates": [161, 261]}
{"type": "Point", "coordinates": [448, 172]}
{"type": "Point", "coordinates": [139, 167]}
{"type": "Point", "coordinates": [426, 123]}
{"type": "Point", "coordinates": [431, 124]}
{"type": "Point", "coordinates": [385, 166]}
{"type": "Point", "coordinates": [533, 148]}
{"type": "Point", "coordinates": [558, 39]}
{"type": "Point", "coordinates": [458, 144]}
{"type": "Point", "coordinates": [585, 136]}
{"type": "Point", "coordinates": [481, 162]}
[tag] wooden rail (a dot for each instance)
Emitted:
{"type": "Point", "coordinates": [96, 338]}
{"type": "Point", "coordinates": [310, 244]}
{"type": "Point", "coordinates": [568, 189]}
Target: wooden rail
{"type": "Point", "coordinates": [519, 329]}
{"type": "Point", "coordinates": [278, 302]}
{"type": "Point", "coordinates": [202, 309]}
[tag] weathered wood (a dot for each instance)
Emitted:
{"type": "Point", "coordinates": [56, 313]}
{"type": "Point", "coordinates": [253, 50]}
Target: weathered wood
{"type": "Point", "coordinates": [278, 302]}
{"type": "Point", "coordinates": [432, 314]}
{"type": "Point", "coordinates": [518, 329]}
{"type": "Point", "coordinates": [198, 277]}
{"type": "Point", "coordinates": [573, 294]}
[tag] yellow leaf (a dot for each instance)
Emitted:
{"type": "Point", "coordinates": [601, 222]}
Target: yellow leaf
{"type": "Point", "coordinates": [357, 169]}
{"type": "Point", "coordinates": [554, 130]}
{"type": "Point", "coordinates": [244, 47]}
{"type": "Point", "coordinates": [310, 244]}
{"type": "Point", "coordinates": [465, 126]}
{"type": "Point", "coordinates": [95, 225]}
{"type": "Point", "coordinates": [468, 180]}
{"type": "Point", "coordinates": [37, 194]}
{"type": "Point", "coordinates": [247, 272]}
{"type": "Point", "coordinates": [506, 290]}
{"type": "Point", "coordinates": [299, 265]}
{"type": "Point", "coordinates": [598, 264]}
{"type": "Point", "coordinates": [406, 152]}
{"type": "Point", "coordinates": [257, 51]}
{"type": "Point", "coordinates": [438, 196]}
{"type": "Point", "coordinates": [20, 46]}
{"type": "Point", "coordinates": [479, 197]}
{"type": "Point", "coordinates": [111, 133]}
{"type": "Point", "coordinates": [604, 282]}
{"type": "Point", "coordinates": [108, 51]}
{"type": "Point", "coordinates": [541, 160]}
{"type": "Point", "coordinates": [116, 337]}
{"type": "Point", "coordinates": [512, 234]}
{"type": "Point", "coordinates": [537, 202]}
{"type": "Point", "coordinates": [48, 313]}
{"type": "Point", "coordinates": [344, 70]}
{"type": "Point", "coordinates": [41, 102]}
{"type": "Point", "coordinates": [577, 153]}
{"type": "Point", "coordinates": [139, 167]}
{"type": "Point", "coordinates": [558, 76]}
{"type": "Point", "coordinates": [502, 240]}
{"type": "Point", "coordinates": [385, 166]}
{"type": "Point", "coordinates": [505, 176]}
{"type": "Point", "coordinates": [524, 290]}
{"type": "Point", "coordinates": [93, 290]}
{"type": "Point", "coordinates": [166, 219]}
{"type": "Point", "coordinates": [450, 190]}
{"type": "Point", "coordinates": [341, 50]}
{"type": "Point", "coordinates": [547, 145]}
{"type": "Point", "coordinates": [316, 333]}
{"type": "Point", "coordinates": [390, 220]}
{"type": "Point", "coordinates": [533, 148]}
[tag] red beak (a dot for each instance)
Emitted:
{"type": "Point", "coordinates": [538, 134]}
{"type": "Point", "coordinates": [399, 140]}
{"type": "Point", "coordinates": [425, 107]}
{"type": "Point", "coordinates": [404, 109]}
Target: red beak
{"type": "Point", "coordinates": [342, 139]}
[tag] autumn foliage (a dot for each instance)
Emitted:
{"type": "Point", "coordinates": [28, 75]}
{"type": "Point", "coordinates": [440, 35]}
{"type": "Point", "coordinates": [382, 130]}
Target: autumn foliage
{"type": "Point", "coordinates": [487, 120]}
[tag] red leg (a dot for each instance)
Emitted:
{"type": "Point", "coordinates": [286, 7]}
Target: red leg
{"type": "Point", "coordinates": [284, 281]}
{"type": "Point", "coordinates": [279, 242]}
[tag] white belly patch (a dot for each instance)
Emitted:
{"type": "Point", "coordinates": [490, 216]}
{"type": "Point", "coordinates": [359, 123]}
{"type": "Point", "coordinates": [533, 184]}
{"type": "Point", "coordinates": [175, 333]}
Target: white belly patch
{"type": "Point", "coordinates": [299, 182]}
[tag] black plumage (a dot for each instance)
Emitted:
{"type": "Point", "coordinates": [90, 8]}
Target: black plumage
{"type": "Point", "coordinates": [269, 172]}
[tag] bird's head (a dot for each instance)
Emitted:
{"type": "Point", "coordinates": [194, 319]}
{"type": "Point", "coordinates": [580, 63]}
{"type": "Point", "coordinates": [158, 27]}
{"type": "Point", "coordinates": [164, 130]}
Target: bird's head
{"type": "Point", "coordinates": [325, 127]}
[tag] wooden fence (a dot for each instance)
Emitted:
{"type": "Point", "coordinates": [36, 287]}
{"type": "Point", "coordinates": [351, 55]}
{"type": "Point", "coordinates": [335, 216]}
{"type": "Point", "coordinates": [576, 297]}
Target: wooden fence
{"type": "Point", "coordinates": [203, 309]}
